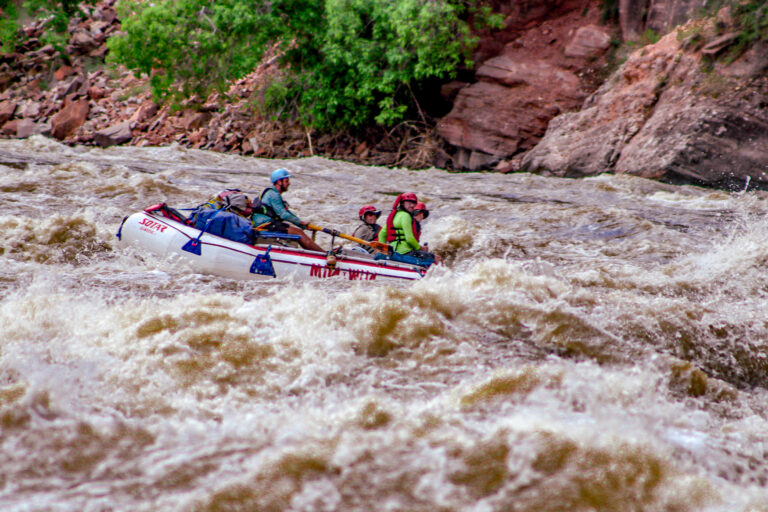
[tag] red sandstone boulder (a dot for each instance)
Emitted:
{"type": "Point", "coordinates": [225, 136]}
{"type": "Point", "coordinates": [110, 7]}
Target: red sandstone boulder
{"type": "Point", "coordinates": [197, 138]}
{"type": "Point", "coordinates": [81, 42]}
{"type": "Point", "coordinates": [30, 110]}
{"type": "Point", "coordinates": [63, 72]}
{"type": "Point", "coordinates": [7, 109]}
{"type": "Point", "coordinates": [509, 109]}
{"type": "Point", "coordinates": [26, 128]}
{"type": "Point", "coordinates": [69, 118]}
{"type": "Point", "coordinates": [146, 111]}
{"type": "Point", "coordinates": [96, 93]}
{"type": "Point", "coordinates": [588, 42]}
{"type": "Point", "coordinates": [529, 82]}
{"type": "Point", "coordinates": [194, 120]}
{"type": "Point", "coordinates": [9, 128]}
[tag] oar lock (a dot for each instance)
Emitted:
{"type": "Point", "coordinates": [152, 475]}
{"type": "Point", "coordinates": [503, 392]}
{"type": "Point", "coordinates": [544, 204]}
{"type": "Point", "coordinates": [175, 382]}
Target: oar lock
{"type": "Point", "coordinates": [330, 261]}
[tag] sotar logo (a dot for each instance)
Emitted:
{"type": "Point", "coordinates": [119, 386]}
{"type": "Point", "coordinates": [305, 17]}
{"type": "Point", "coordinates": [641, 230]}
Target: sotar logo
{"type": "Point", "coordinates": [151, 226]}
{"type": "Point", "coordinates": [354, 275]}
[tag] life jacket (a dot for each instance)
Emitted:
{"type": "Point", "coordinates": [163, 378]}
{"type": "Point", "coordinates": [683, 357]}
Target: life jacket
{"type": "Point", "coordinates": [265, 209]}
{"type": "Point", "coordinates": [394, 234]}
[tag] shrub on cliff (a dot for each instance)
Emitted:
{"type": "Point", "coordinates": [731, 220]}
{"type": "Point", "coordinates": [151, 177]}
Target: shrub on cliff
{"type": "Point", "coordinates": [348, 63]}
{"type": "Point", "coordinates": [9, 27]}
{"type": "Point", "coordinates": [752, 18]}
{"type": "Point", "coordinates": [56, 13]}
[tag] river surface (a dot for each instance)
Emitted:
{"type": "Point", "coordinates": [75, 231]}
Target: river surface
{"type": "Point", "coordinates": [595, 344]}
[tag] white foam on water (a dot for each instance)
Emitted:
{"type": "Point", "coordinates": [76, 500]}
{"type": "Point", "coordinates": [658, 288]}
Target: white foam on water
{"type": "Point", "coordinates": [582, 332]}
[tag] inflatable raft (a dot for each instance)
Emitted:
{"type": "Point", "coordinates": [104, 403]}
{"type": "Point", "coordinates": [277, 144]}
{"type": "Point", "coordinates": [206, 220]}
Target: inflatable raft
{"type": "Point", "coordinates": [274, 255]}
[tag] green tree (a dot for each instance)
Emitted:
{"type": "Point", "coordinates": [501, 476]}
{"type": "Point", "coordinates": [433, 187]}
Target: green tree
{"type": "Point", "coordinates": [9, 27]}
{"type": "Point", "coordinates": [348, 63]}
{"type": "Point", "coordinates": [190, 46]}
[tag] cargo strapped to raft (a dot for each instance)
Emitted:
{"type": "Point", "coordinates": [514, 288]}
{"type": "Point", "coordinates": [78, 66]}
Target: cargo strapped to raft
{"type": "Point", "coordinates": [169, 213]}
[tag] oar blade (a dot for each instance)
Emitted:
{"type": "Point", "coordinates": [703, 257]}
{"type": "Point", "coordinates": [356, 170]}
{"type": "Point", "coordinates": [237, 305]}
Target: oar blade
{"type": "Point", "coordinates": [380, 246]}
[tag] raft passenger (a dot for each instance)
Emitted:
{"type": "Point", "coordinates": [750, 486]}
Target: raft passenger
{"type": "Point", "coordinates": [369, 229]}
{"type": "Point", "coordinates": [402, 229]}
{"type": "Point", "coordinates": [420, 213]}
{"type": "Point", "coordinates": [273, 213]}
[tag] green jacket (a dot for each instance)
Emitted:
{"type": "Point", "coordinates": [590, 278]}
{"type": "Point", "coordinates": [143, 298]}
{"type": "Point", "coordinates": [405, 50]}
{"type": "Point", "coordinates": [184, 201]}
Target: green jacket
{"type": "Point", "coordinates": [405, 241]}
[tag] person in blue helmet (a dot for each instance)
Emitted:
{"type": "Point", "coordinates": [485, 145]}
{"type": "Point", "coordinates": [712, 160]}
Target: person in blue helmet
{"type": "Point", "coordinates": [273, 213]}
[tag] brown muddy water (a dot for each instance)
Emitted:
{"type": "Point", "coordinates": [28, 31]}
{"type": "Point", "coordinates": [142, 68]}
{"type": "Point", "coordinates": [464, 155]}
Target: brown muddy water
{"type": "Point", "coordinates": [596, 344]}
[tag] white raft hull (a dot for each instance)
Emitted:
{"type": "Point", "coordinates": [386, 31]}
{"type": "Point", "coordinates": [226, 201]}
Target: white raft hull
{"type": "Point", "coordinates": [220, 256]}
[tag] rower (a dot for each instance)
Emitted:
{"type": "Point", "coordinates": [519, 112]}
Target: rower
{"type": "Point", "coordinates": [271, 213]}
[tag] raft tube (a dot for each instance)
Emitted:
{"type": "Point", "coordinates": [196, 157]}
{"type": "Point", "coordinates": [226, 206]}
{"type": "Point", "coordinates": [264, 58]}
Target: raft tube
{"type": "Point", "coordinates": [211, 254]}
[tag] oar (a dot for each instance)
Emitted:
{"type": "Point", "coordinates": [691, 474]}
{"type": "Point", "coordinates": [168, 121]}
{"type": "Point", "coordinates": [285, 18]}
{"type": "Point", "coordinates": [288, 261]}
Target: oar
{"type": "Point", "coordinates": [377, 246]}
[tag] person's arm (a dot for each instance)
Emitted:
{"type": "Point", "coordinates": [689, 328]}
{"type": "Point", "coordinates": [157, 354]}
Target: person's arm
{"type": "Point", "coordinates": [273, 199]}
{"type": "Point", "coordinates": [405, 221]}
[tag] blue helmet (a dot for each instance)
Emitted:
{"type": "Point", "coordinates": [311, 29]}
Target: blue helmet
{"type": "Point", "coordinates": [279, 174]}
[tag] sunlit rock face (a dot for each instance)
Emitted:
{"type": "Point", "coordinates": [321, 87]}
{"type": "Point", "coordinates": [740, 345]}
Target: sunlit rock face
{"type": "Point", "coordinates": [664, 115]}
{"type": "Point", "coordinates": [541, 71]}
{"type": "Point", "coordinates": [668, 113]}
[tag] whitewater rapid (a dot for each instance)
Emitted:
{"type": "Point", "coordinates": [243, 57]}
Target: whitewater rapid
{"type": "Point", "coordinates": [595, 344]}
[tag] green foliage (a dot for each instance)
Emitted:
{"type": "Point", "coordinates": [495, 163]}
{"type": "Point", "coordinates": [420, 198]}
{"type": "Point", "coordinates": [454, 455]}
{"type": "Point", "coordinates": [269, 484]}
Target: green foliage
{"type": "Point", "coordinates": [372, 51]}
{"type": "Point", "coordinates": [752, 18]}
{"type": "Point", "coordinates": [9, 28]}
{"type": "Point", "coordinates": [189, 46]}
{"type": "Point", "coordinates": [650, 36]}
{"type": "Point", "coordinates": [59, 12]}
{"type": "Point", "coordinates": [610, 10]}
{"type": "Point", "coordinates": [348, 63]}
{"type": "Point", "coordinates": [59, 40]}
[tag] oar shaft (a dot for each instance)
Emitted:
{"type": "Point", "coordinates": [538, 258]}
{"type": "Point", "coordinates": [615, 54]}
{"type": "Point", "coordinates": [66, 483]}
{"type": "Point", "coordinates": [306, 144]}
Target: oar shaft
{"type": "Point", "coordinates": [376, 245]}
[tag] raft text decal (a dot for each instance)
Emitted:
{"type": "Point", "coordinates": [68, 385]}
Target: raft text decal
{"type": "Point", "coordinates": [354, 275]}
{"type": "Point", "coordinates": [150, 226]}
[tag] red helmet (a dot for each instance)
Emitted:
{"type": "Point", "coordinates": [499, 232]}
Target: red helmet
{"type": "Point", "coordinates": [421, 208]}
{"type": "Point", "coordinates": [368, 209]}
{"type": "Point", "coordinates": [409, 196]}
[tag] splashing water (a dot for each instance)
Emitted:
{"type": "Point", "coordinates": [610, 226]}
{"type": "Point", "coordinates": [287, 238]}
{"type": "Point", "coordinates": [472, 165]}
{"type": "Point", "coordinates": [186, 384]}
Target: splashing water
{"type": "Point", "coordinates": [595, 344]}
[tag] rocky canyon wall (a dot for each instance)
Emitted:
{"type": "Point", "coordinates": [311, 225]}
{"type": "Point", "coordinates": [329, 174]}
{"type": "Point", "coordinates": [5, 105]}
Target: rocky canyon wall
{"type": "Point", "coordinates": [542, 99]}
{"type": "Point", "coordinates": [673, 113]}
{"type": "Point", "coordinates": [548, 65]}
{"type": "Point", "coordinates": [675, 110]}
